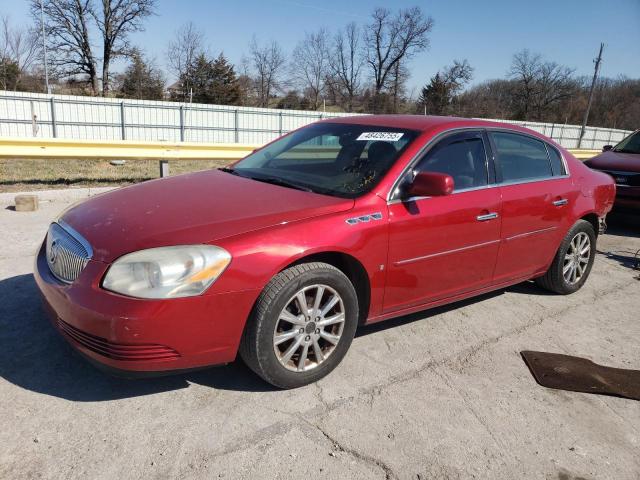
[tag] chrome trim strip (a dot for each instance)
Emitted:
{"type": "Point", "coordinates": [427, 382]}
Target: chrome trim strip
{"type": "Point", "coordinates": [74, 233]}
{"type": "Point", "coordinates": [523, 182]}
{"type": "Point", "coordinates": [446, 252]}
{"type": "Point", "coordinates": [493, 185]}
{"type": "Point", "coordinates": [559, 203]}
{"type": "Point", "coordinates": [528, 234]}
{"type": "Point", "coordinates": [414, 160]}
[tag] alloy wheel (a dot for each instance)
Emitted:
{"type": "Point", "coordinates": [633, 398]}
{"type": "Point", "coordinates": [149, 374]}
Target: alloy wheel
{"type": "Point", "coordinates": [576, 258]}
{"type": "Point", "coordinates": [309, 328]}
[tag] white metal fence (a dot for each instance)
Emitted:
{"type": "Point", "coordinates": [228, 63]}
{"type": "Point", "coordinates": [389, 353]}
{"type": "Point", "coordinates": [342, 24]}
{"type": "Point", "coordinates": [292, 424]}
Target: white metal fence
{"type": "Point", "coordinates": [66, 116]}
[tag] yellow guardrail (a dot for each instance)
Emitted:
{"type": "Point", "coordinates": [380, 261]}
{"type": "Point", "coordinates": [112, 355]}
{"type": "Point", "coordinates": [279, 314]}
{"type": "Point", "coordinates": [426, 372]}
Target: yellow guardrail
{"type": "Point", "coordinates": [11, 147]}
{"type": "Point", "coordinates": [120, 149]}
{"type": "Point", "coordinates": [584, 154]}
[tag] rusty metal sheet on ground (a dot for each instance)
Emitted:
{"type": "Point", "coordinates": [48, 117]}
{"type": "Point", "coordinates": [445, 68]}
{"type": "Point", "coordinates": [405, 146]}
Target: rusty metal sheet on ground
{"type": "Point", "coordinates": [565, 372]}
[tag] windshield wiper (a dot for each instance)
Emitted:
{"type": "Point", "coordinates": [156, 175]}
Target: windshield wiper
{"type": "Point", "coordinates": [281, 182]}
{"type": "Point", "coordinates": [622, 150]}
{"type": "Point", "coordinates": [228, 170]}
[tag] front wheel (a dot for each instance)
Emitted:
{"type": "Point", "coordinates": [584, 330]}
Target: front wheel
{"type": "Point", "coordinates": [301, 326]}
{"type": "Point", "coordinates": [573, 261]}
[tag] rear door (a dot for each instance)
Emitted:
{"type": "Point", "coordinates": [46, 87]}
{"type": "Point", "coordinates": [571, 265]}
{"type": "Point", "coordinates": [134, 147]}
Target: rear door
{"type": "Point", "coordinates": [536, 197]}
{"type": "Point", "coordinates": [443, 246]}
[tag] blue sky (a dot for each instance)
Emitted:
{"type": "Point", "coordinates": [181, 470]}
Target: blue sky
{"type": "Point", "coordinates": [487, 33]}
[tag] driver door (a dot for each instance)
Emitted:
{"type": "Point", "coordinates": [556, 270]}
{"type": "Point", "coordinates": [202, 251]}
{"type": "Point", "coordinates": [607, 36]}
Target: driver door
{"type": "Point", "coordinates": [444, 246]}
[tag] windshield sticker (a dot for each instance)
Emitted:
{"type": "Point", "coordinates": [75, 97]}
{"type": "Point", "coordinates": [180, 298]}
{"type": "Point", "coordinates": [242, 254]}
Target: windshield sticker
{"type": "Point", "coordinates": [384, 136]}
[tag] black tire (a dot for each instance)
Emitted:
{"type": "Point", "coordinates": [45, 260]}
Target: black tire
{"type": "Point", "coordinates": [257, 344]}
{"type": "Point", "coordinates": [554, 279]}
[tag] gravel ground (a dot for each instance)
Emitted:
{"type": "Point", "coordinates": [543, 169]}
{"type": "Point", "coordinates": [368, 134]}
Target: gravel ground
{"type": "Point", "coordinates": [440, 394]}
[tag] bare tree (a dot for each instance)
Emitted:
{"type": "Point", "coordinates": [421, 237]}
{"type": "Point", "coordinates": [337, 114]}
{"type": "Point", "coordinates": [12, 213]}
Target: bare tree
{"type": "Point", "coordinates": [187, 45]}
{"type": "Point", "coordinates": [391, 39]}
{"type": "Point", "coordinates": [309, 65]}
{"type": "Point", "coordinates": [67, 28]}
{"type": "Point", "coordinates": [67, 24]}
{"type": "Point", "coordinates": [116, 20]}
{"type": "Point", "coordinates": [268, 61]}
{"type": "Point", "coordinates": [540, 83]}
{"type": "Point", "coordinates": [555, 83]}
{"type": "Point", "coordinates": [345, 62]}
{"type": "Point", "coordinates": [398, 85]}
{"type": "Point", "coordinates": [458, 74]}
{"type": "Point", "coordinates": [18, 44]}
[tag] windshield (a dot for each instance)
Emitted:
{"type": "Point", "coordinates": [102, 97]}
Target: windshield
{"type": "Point", "coordinates": [631, 144]}
{"type": "Point", "coordinates": [335, 159]}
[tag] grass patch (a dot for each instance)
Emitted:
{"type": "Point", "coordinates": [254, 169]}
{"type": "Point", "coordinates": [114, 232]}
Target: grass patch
{"type": "Point", "coordinates": [18, 174]}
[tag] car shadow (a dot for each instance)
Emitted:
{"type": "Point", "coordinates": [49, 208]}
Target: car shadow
{"type": "Point", "coordinates": [626, 258]}
{"type": "Point", "coordinates": [525, 288]}
{"type": "Point", "coordinates": [34, 356]}
{"type": "Point", "coordinates": [623, 225]}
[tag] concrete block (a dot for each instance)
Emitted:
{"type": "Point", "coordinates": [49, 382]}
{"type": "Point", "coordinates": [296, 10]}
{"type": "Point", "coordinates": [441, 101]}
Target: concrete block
{"type": "Point", "coordinates": [26, 203]}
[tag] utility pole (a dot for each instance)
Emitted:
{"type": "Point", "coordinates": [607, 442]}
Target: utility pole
{"type": "Point", "coordinates": [44, 47]}
{"type": "Point", "coordinates": [593, 86]}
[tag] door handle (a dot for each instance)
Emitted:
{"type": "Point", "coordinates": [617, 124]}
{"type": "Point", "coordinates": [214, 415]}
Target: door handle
{"type": "Point", "coordinates": [559, 203]}
{"type": "Point", "coordinates": [487, 216]}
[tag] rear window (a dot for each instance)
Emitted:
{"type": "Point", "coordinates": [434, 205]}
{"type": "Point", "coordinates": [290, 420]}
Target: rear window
{"type": "Point", "coordinates": [556, 161]}
{"type": "Point", "coordinates": [521, 158]}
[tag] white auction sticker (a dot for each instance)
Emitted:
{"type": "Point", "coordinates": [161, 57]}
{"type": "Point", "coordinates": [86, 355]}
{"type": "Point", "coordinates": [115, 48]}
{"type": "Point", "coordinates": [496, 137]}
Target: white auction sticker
{"type": "Point", "coordinates": [384, 136]}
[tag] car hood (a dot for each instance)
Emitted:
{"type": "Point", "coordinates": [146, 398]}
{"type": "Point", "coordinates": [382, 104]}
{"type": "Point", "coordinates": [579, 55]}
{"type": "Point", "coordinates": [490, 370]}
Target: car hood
{"type": "Point", "coordinates": [194, 208]}
{"type": "Point", "coordinates": [624, 162]}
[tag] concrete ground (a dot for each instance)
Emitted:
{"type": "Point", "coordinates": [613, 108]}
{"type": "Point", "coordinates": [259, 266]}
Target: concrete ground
{"type": "Point", "coordinates": [441, 394]}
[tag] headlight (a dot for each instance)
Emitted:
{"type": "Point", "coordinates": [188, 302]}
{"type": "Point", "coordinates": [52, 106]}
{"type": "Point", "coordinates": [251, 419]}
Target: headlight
{"type": "Point", "coordinates": [167, 272]}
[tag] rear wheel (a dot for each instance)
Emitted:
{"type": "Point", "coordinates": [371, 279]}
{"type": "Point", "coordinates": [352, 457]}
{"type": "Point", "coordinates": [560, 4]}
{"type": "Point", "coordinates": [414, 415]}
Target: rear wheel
{"type": "Point", "coordinates": [302, 325]}
{"type": "Point", "coordinates": [573, 261]}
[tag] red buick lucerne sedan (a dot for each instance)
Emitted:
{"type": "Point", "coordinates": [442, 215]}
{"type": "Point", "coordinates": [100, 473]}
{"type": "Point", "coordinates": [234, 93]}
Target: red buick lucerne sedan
{"type": "Point", "coordinates": [340, 223]}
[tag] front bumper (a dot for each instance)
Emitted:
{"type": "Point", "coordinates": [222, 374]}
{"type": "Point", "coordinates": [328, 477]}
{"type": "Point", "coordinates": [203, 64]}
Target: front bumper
{"type": "Point", "coordinates": [139, 336]}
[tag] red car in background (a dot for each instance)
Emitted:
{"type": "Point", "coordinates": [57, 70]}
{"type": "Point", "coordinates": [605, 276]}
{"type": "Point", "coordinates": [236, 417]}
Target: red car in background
{"type": "Point", "coordinates": [340, 223]}
{"type": "Point", "coordinates": [622, 162]}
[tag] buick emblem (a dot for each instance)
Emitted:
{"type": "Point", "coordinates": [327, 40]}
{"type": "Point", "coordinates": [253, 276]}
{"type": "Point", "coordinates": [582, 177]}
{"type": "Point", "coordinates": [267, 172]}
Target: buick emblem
{"type": "Point", "coordinates": [53, 252]}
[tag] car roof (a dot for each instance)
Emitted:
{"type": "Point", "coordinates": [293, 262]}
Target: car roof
{"type": "Point", "coordinates": [424, 123]}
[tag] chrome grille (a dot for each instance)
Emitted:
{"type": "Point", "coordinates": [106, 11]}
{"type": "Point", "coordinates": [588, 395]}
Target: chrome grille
{"type": "Point", "coordinates": [67, 252]}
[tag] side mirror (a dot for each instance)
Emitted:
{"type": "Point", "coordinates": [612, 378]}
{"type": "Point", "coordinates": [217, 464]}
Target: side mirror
{"type": "Point", "coordinates": [430, 184]}
{"type": "Point", "coordinates": [606, 148]}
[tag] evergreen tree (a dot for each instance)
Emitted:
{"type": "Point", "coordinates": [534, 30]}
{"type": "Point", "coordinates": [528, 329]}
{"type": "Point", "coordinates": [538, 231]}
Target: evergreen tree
{"type": "Point", "coordinates": [212, 81]}
{"type": "Point", "coordinates": [438, 95]}
{"type": "Point", "coordinates": [434, 97]}
{"type": "Point", "coordinates": [9, 74]}
{"type": "Point", "coordinates": [142, 80]}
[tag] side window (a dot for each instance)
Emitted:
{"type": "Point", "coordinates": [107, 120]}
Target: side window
{"type": "Point", "coordinates": [520, 157]}
{"type": "Point", "coordinates": [556, 161]}
{"type": "Point", "coordinates": [462, 156]}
